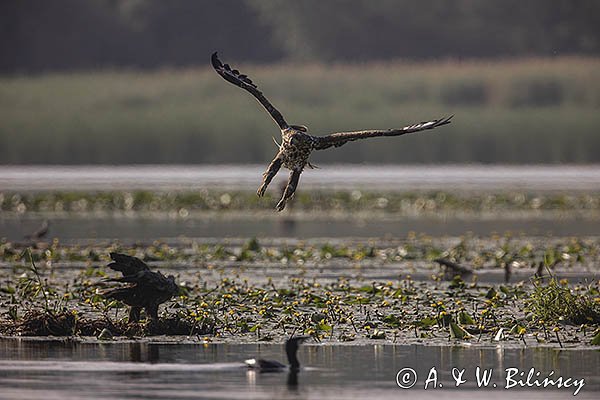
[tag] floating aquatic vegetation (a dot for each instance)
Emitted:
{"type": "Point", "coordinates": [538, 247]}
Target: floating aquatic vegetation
{"type": "Point", "coordinates": [496, 252]}
{"type": "Point", "coordinates": [230, 296]}
{"type": "Point", "coordinates": [557, 302]}
{"type": "Point", "coordinates": [183, 204]}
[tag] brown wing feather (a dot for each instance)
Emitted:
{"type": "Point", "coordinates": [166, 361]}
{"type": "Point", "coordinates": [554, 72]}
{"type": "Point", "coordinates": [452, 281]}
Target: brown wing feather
{"type": "Point", "coordinates": [234, 76]}
{"type": "Point", "coordinates": [340, 138]}
{"type": "Point", "coordinates": [127, 265]}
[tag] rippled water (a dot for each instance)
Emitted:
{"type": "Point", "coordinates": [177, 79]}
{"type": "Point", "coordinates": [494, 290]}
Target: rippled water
{"type": "Point", "coordinates": [388, 177]}
{"type": "Point", "coordinates": [134, 370]}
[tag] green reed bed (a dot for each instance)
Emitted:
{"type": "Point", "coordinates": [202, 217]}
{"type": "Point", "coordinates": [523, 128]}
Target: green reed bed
{"type": "Point", "coordinates": [523, 111]}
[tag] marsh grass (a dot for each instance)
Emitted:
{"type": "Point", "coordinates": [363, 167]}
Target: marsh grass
{"type": "Point", "coordinates": [556, 302]}
{"type": "Point", "coordinates": [526, 111]}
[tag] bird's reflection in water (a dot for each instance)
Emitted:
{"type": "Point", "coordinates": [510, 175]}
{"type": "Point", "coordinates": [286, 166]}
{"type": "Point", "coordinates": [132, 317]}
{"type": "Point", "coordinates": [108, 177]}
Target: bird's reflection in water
{"type": "Point", "coordinates": [288, 226]}
{"type": "Point", "coordinates": [292, 380]}
{"type": "Point", "coordinates": [143, 352]}
{"type": "Point", "coordinates": [291, 383]}
{"type": "Point", "coordinates": [251, 377]}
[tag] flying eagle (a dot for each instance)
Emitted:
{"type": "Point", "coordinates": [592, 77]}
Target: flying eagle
{"type": "Point", "coordinates": [296, 144]}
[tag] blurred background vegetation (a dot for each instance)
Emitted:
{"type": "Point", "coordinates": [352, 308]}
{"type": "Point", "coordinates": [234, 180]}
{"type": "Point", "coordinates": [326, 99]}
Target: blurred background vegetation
{"type": "Point", "coordinates": [109, 81]}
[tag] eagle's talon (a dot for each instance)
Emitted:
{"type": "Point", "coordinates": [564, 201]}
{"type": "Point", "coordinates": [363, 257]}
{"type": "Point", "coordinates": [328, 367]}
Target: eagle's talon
{"type": "Point", "coordinates": [296, 144]}
{"type": "Point", "coordinates": [280, 206]}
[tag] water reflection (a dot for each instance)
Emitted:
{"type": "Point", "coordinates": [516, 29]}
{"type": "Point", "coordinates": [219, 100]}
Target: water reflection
{"type": "Point", "coordinates": [143, 352]}
{"type": "Point", "coordinates": [132, 230]}
{"type": "Point", "coordinates": [142, 370]}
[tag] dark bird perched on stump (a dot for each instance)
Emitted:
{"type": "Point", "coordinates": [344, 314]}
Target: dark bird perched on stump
{"type": "Point", "coordinates": [296, 144]}
{"type": "Point", "coordinates": [146, 289]}
{"type": "Point", "coordinates": [291, 349]}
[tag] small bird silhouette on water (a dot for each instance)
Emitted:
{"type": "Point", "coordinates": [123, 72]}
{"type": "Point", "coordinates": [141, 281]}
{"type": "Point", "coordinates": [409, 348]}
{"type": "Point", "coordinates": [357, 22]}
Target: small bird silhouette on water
{"type": "Point", "coordinates": [40, 232]}
{"type": "Point", "coordinates": [146, 289]}
{"type": "Point", "coordinates": [291, 350]}
{"type": "Point", "coordinates": [453, 269]}
{"type": "Point", "coordinates": [296, 144]}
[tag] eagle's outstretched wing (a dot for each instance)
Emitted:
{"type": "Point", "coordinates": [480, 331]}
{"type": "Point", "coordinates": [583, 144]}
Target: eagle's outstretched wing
{"type": "Point", "coordinates": [234, 76]}
{"type": "Point", "coordinates": [127, 265]}
{"type": "Point", "coordinates": [340, 138]}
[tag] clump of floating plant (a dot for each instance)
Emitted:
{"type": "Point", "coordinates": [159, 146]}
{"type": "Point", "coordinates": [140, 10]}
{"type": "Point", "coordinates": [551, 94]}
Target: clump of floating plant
{"type": "Point", "coordinates": [556, 302]}
{"type": "Point", "coordinates": [35, 305]}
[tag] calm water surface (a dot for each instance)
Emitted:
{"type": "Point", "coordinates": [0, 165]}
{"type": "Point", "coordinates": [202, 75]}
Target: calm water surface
{"type": "Point", "coordinates": [345, 177]}
{"type": "Point", "coordinates": [55, 370]}
{"type": "Point", "coordinates": [384, 177]}
{"type": "Point", "coordinates": [130, 230]}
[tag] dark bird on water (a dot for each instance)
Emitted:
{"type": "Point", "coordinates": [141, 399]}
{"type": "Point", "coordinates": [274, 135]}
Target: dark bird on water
{"type": "Point", "coordinates": [296, 144]}
{"type": "Point", "coordinates": [452, 269]}
{"type": "Point", "coordinates": [146, 289]}
{"type": "Point", "coordinates": [291, 349]}
{"type": "Point", "coordinates": [40, 232]}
